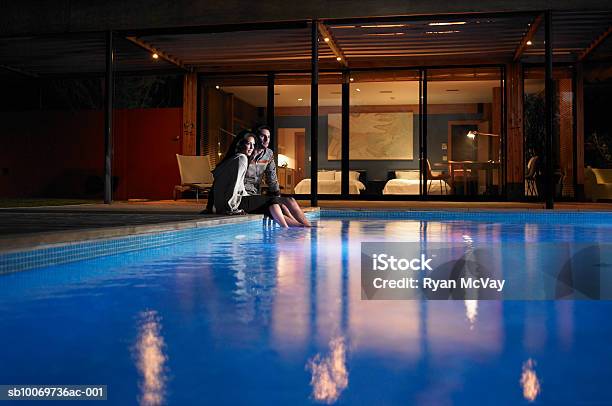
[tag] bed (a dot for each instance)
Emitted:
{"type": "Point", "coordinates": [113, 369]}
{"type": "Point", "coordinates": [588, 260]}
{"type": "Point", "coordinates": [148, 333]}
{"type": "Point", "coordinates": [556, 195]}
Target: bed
{"type": "Point", "coordinates": [408, 183]}
{"type": "Point", "coordinates": [329, 183]}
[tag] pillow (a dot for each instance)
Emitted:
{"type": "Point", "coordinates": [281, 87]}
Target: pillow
{"type": "Point", "coordinates": [353, 175]}
{"type": "Point", "coordinates": [326, 175]}
{"type": "Point", "coordinates": [408, 175]}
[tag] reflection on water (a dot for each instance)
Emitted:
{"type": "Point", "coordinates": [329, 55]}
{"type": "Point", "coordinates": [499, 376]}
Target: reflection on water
{"type": "Point", "coordinates": [329, 373]}
{"type": "Point", "coordinates": [151, 360]}
{"type": "Point", "coordinates": [529, 381]}
{"type": "Point", "coordinates": [246, 311]}
{"type": "Point", "coordinates": [471, 311]}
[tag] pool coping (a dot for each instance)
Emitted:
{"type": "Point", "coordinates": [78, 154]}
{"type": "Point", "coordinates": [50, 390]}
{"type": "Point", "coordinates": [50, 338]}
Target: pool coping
{"type": "Point", "coordinates": [46, 239]}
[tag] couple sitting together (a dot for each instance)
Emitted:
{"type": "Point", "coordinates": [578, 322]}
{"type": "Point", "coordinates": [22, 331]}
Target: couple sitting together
{"type": "Point", "coordinates": [237, 182]}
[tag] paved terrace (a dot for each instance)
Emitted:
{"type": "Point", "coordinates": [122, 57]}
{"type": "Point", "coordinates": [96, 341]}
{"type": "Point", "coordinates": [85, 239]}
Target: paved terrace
{"type": "Point", "coordinates": [27, 228]}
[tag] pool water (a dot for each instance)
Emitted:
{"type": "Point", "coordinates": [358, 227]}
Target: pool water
{"type": "Point", "coordinates": [253, 314]}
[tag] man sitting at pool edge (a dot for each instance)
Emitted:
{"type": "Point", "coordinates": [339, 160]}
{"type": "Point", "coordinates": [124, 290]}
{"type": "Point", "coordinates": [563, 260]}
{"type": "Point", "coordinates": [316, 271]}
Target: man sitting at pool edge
{"type": "Point", "coordinates": [262, 165]}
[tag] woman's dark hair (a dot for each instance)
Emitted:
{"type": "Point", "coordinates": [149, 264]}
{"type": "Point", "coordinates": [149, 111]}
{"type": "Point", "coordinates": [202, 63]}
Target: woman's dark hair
{"type": "Point", "coordinates": [238, 143]}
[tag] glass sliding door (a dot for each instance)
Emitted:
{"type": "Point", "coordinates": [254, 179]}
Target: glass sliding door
{"type": "Point", "coordinates": [384, 133]}
{"type": "Point", "coordinates": [292, 119]}
{"type": "Point", "coordinates": [292, 105]}
{"type": "Point", "coordinates": [230, 105]}
{"type": "Point", "coordinates": [464, 132]}
{"type": "Point", "coordinates": [563, 132]}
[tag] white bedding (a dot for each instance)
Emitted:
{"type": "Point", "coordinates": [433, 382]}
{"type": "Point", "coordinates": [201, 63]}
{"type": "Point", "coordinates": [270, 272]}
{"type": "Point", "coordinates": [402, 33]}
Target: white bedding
{"type": "Point", "coordinates": [328, 187]}
{"type": "Point", "coordinates": [412, 187]}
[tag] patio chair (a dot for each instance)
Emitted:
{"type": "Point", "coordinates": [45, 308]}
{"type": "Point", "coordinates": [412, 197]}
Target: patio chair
{"type": "Point", "coordinates": [195, 174]}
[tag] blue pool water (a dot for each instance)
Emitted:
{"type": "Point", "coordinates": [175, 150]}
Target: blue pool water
{"type": "Point", "coordinates": [250, 314]}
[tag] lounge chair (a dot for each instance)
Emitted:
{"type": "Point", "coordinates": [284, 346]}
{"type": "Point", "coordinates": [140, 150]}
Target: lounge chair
{"type": "Point", "coordinates": [195, 174]}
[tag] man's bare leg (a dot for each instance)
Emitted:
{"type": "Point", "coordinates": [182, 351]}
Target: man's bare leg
{"type": "Point", "coordinates": [278, 216]}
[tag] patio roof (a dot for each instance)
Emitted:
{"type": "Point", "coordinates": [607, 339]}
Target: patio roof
{"type": "Point", "coordinates": [364, 43]}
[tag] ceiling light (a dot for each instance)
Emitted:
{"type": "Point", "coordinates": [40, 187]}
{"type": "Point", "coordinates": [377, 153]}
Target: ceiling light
{"type": "Point", "coordinates": [326, 39]}
{"type": "Point", "coordinates": [338, 58]}
{"type": "Point", "coordinates": [155, 56]}
{"type": "Point", "coordinates": [383, 26]}
{"type": "Point", "coordinates": [449, 23]}
{"type": "Point", "coordinates": [359, 90]}
{"type": "Point", "coordinates": [217, 87]}
{"type": "Point", "coordinates": [386, 34]}
{"type": "Point", "coordinates": [299, 99]}
{"type": "Point", "coordinates": [352, 79]}
{"type": "Point", "coordinates": [529, 42]}
{"type": "Point", "coordinates": [441, 32]}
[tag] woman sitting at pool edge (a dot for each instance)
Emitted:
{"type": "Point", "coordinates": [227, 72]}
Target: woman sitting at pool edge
{"type": "Point", "coordinates": [228, 193]}
{"type": "Point", "coordinates": [262, 166]}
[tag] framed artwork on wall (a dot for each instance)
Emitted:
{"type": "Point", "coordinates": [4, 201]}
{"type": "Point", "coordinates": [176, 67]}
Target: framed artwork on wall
{"type": "Point", "coordinates": [373, 136]}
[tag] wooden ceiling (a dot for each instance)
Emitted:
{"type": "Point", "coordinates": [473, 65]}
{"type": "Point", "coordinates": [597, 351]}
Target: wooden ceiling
{"type": "Point", "coordinates": [368, 43]}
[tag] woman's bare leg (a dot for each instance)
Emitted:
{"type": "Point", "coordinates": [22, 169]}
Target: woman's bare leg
{"type": "Point", "coordinates": [291, 221]}
{"type": "Point", "coordinates": [296, 211]}
{"type": "Point", "coordinates": [278, 216]}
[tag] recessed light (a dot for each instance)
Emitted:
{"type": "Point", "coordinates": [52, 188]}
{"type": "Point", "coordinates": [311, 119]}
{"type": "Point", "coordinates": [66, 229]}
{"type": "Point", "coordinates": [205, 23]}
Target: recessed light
{"type": "Point", "coordinates": [383, 26]}
{"type": "Point", "coordinates": [326, 39]}
{"type": "Point", "coordinates": [154, 56]}
{"type": "Point", "coordinates": [449, 23]}
{"type": "Point", "coordinates": [299, 99]}
{"type": "Point", "coordinates": [359, 90]}
{"type": "Point", "coordinates": [386, 34]}
{"type": "Point", "coordinates": [217, 87]}
{"type": "Point", "coordinates": [352, 79]}
{"type": "Point", "coordinates": [442, 32]}
{"type": "Point", "coordinates": [338, 58]}
{"type": "Point", "coordinates": [529, 42]}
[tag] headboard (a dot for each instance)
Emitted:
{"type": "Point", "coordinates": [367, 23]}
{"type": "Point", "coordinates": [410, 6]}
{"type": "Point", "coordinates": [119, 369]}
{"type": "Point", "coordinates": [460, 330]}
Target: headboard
{"type": "Point", "coordinates": [363, 174]}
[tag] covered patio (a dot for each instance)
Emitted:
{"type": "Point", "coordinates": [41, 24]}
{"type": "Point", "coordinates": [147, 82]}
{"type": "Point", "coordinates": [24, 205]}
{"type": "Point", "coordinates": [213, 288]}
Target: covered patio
{"type": "Point", "coordinates": [111, 140]}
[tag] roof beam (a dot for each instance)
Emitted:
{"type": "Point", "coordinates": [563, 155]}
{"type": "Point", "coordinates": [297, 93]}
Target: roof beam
{"type": "Point", "coordinates": [595, 44]}
{"type": "Point", "coordinates": [533, 28]}
{"type": "Point", "coordinates": [166, 57]}
{"type": "Point", "coordinates": [19, 71]}
{"type": "Point", "coordinates": [333, 45]}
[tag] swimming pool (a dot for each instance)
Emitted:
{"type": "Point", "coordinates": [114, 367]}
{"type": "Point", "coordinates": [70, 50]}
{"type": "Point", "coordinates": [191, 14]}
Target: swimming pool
{"type": "Point", "coordinates": [249, 314]}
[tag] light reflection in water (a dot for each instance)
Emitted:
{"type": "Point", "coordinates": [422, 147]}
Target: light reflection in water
{"type": "Point", "coordinates": [471, 311]}
{"type": "Point", "coordinates": [329, 373]}
{"type": "Point", "coordinates": [151, 360]}
{"type": "Point", "coordinates": [529, 381]}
